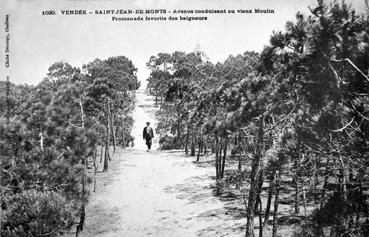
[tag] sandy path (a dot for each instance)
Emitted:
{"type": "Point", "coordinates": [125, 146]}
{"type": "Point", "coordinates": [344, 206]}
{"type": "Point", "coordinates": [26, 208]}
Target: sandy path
{"type": "Point", "coordinates": [156, 193]}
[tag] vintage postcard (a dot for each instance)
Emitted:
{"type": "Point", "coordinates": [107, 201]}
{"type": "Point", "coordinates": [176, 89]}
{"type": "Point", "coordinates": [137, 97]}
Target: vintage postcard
{"type": "Point", "coordinates": [184, 118]}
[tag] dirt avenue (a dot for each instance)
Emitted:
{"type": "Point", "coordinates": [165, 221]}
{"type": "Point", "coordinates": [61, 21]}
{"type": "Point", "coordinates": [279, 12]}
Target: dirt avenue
{"type": "Point", "coordinates": [149, 194]}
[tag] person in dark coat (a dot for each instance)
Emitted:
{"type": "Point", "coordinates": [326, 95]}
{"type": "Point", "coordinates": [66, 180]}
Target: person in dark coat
{"type": "Point", "coordinates": [148, 134]}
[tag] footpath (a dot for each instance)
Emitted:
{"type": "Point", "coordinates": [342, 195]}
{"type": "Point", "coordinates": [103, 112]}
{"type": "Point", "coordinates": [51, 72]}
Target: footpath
{"type": "Point", "coordinates": [157, 193]}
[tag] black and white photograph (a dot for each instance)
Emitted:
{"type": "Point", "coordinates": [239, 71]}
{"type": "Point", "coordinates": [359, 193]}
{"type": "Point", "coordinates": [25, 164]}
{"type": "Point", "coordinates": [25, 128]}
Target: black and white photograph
{"type": "Point", "coordinates": [184, 118]}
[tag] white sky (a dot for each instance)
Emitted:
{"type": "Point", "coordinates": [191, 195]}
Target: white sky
{"type": "Point", "coordinates": [38, 41]}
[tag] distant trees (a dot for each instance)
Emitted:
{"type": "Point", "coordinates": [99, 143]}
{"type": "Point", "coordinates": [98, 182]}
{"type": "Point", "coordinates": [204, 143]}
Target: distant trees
{"type": "Point", "coordinates": [296, 114]}
{"type": "Point", "coordinates": [108, 98]}
{"type": "Point", "coordinates": [50, 138]}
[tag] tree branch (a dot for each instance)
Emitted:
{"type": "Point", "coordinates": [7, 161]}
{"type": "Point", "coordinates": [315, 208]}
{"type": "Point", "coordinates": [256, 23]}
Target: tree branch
{"type": "Point", "coordinates": [353, 65]}
{"type": "Point", "coordinates": [341, 129]}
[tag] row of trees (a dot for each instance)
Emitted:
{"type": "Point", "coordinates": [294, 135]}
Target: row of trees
{"type": "Point", "coordinates": [297, 114]}
{"type": "Point", "coordinates": [49, 138]}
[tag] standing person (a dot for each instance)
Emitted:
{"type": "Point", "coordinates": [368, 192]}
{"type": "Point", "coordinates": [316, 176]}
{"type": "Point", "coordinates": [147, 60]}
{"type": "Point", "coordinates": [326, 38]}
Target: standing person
{"type": "Point", "coordinates": [148, 134]}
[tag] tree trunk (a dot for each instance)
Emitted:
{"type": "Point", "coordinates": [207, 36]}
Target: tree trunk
{"type": "Point", "coordinates": [187, 140]}
{"type": "Point", "coordinates": [304, 198]}
{"type": "Point", "coordinates": [297, 194]}
{"type": "Point", "coordinates": [101, 152]}
{"type": "Point", "coordinates": [107, 140]}
{"type": "Point", "coordinates": [316, 182]}
{"type": "Point", "coordinates": [239, 171]}
{"type": "Point", "coordinates": [82, 220]}
{"type": "Point", "coordinates": [95, 166]}
{"type": "Point", "coordinates": [123, 138]}
{"type": "Point", "coordinates": [201, 143]}
{"type": "Point", "coordinates": [178, 133]}
{"type": "Point", "coordinates": [343, 172]}
{"type": "Point", "coordinates": [198, 149]}
{"type": "Point", "coordinates": [224, 156]}
{"type": "Point", "coordinates": [256, 167]}
{"type": "Point", "coordinates": [269, 201]}
{"type": "Point", "coordinates": [220, 149]}
{"type": "Point", "coordinates": [106, 156]}
{"type": "Point", "coordinates": [113, 131]}
{"type": "Point", "coordinates": [84, 162]}
{"type": "Point", "coordinates": [204, 140]}
{"type": "Point", "coordinates": [325, 185]}
{"type": "Point", "coordinates": [260, 217]}
{"type": "Point", "coordinates": [193, 146]}
{"type": "Point", "coordinates": [216, 158]}
{"type": "Point", "coordinates": [276, 200]}
{"type": "Point", "coordinates": [213, 145]}
{"type": "Point", "coordinates": [239, 162]}
{"type": "Point", "coordinates": [260, 186]}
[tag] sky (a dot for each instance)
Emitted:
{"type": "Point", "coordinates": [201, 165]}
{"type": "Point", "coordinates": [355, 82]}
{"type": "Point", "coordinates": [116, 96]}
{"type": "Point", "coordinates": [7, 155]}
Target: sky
{"type": "Point", "coordinates": [37, 41]}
